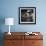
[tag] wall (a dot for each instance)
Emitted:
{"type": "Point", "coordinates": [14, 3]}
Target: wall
{"type": "Point", "coordinates": [9, 8]}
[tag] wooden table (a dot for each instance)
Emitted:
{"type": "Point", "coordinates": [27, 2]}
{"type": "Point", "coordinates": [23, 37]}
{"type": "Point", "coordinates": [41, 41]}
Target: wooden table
{"type": "Point", "coordinates": [20, 39]}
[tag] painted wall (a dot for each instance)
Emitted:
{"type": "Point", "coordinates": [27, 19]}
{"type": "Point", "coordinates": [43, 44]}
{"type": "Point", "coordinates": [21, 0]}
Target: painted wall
{"type": "Point", "coordinates": [9, 8]}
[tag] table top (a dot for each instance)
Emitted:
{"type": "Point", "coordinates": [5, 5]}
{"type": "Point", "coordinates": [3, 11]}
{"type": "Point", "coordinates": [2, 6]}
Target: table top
{"type": "Point", "coordinates": [22, 35]}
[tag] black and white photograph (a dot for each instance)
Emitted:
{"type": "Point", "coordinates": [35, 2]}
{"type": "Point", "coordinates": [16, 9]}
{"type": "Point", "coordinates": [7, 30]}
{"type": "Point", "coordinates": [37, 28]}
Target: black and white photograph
{"type": "Point", "coordinates": [27, 15]}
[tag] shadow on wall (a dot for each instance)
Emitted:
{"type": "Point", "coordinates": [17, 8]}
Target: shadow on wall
{"type": "Point", "coordinates": [2, 21]}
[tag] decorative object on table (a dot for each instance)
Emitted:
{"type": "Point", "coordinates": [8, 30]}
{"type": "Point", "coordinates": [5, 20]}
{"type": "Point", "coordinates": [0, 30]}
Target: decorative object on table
{"type": "Point", "coordinates": [30, 33]}
{"type": "Point", "coordinates": [27, 15]}
{"type": "Point", "coordinates": [9, 21]}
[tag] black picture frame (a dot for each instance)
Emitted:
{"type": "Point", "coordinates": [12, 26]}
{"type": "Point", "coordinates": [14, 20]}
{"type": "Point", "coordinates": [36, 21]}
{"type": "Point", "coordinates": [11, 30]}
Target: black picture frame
{"type": "Point", "coordinates": [27, 15]}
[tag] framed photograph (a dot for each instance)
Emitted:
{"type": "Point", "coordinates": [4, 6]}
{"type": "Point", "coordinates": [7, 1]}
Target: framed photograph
{"type": "Point", "coordinates": [27, 15]}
